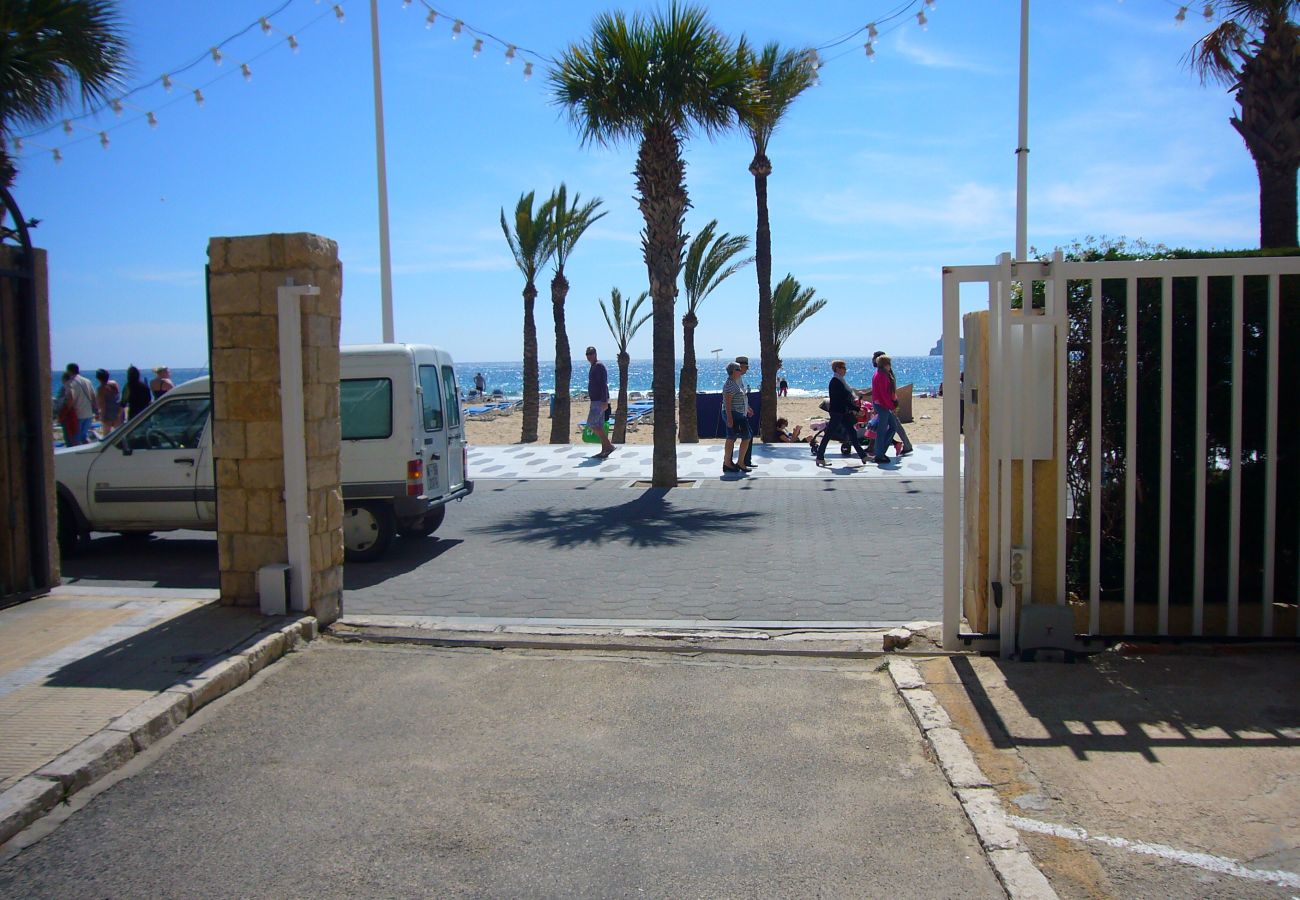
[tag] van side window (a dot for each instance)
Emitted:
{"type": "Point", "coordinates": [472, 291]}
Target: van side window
{"type": "Point", "coordinates": [451, 391]}
{"type": "Point", "coordinates": [432, 398]}
{"type": "Point", "coordinates": [366, 408]}
{"type": "Point", "coordinates": [173, 425]}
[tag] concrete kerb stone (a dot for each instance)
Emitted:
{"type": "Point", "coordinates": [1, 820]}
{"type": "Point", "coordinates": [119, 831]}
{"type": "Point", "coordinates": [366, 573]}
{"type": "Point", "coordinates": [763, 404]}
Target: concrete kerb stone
{"type": "Point", "coordinates": [262, 650]}
{"type": "Point", "coordinates": [1012, 864]}
{"type": "Point", "coordinates": [23, 803]}
{"type": "Point", "coordinates": [90, 760]}
{"type": "Point", "coordinates": [153, 719]}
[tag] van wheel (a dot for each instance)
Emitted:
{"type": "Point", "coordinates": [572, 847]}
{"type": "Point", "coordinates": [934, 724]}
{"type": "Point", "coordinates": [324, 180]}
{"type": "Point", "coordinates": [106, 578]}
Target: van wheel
{"type": "Point", "coordinates": [69, 535]}
{"type": "Point", "coordinates": [368, 529]}
{"type": "Point", "coordinates": [425, 526]}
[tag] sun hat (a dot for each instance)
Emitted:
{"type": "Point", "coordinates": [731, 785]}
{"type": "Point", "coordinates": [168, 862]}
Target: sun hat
{"type": "Point", "coordinates": [742, 360]}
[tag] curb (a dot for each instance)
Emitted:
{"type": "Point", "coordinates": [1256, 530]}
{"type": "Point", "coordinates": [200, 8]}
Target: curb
{"type": "Point", "coordinates": [114, 745]}
{"type": "Point", "coordinates": [1011, 862]}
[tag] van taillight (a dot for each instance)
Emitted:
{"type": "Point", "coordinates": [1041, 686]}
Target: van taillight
{"type": "Point", "coordinates": [415, 478]}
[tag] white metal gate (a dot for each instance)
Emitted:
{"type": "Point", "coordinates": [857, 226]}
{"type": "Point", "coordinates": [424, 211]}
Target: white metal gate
{"type": "Point", "coordinates": [1023, 395]}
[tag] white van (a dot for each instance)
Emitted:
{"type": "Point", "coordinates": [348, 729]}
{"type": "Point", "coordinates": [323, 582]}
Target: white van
{"type": "Point", "coordinates": [403, 456]}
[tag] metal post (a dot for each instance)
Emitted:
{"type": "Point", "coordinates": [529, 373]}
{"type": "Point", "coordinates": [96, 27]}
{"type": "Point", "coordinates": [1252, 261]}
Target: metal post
{"type": "Point", "coordinates": [381, 166]}
{"type": "Point", "coordinates": [1022, 145]}
{"type": "Point", "coordinates": [297, 518]}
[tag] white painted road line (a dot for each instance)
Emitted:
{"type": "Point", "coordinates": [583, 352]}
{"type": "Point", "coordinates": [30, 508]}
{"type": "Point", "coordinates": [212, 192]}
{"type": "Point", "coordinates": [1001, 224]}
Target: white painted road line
{"type": "Point", "coordinates": [1219, 864]}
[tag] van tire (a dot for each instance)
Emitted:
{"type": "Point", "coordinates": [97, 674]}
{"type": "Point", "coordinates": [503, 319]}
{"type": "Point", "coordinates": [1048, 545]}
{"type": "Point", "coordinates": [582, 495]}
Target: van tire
{"type": "Point", "coordinates": [69, 533]}
{"type": "Point", "coordinates": [368, 529]}
{"type": "Point", "coordinates": [425, 526]}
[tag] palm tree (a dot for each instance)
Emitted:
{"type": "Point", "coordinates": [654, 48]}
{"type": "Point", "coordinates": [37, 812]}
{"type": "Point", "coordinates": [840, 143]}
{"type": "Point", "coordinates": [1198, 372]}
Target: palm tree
{"type": "Point", "coordinates": [779, 77]}
{"type": "Point", "coordinates": [568, 222]}
{"type": "Point", "coordinates": [532, 246]}
{"type": "Point", "coordinates": [623, 325]}
{"type": "Point", "coordinates": [49, 50]}
{"type": "Point", "coordinates": [792, 305]}
{"type": "Point", "coordinates": [708, 264]}
{"type": "Point", "coordinates": [1256, 52]}
{"type": "Point", "coordinates": [655, 81]}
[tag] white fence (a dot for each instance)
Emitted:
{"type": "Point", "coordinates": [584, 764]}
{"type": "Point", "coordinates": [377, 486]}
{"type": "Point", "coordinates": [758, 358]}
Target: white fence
{"type": "Point", "coordinates": [1025, 394]}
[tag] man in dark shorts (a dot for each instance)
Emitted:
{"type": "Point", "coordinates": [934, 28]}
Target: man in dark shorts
{"type": "Point", "coordinates": [598, 394]}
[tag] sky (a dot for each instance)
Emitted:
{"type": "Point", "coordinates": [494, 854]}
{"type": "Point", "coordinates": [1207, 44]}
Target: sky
{"type": "Point", "coordinates": [885, 172]}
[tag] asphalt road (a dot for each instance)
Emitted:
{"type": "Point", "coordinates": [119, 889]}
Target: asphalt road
{"type": "Point", "coordinates": [363, 771]}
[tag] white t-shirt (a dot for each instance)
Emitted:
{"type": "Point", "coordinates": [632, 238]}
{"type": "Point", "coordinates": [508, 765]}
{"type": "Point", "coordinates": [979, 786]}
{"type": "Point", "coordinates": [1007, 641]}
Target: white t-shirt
{"type": "Point", "coordinates": [83, 396]}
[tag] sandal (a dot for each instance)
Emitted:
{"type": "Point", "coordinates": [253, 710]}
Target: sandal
{"type": "Point", "coordinates": [822, 463]}
{"type": "Point", "coordinates": [729, 469]}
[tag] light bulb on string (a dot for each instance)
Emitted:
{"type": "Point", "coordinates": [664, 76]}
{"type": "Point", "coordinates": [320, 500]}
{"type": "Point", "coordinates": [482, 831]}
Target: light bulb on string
{"type": "Point", "coordinates": [921, 19]}
{"type": "Point", "coordinates": [293, 43]}
{"type": "Point", "coordinates": [67, 126]}
{"type": "Point", "coordinates": [151, 119]}
{"type": "Point", "coordinates": [216, 55]}
{"type": "Point", "coordinates": [478, 47]}
{"type": "Point", "coordinates": [167, 83]}
{"type": "Point", "coordinates": [103, 139]}
{"type": "Point", "coordinates": [1181, 17]}
{"type": "Point", "coordinates": [246, 71]}
{"type": "Point", "coordinates": [116, 104]}
{"type": "Point", "coordinates": [58, 155]}
{"type": "Point", "coordinates": [871, 51]}
{"type": "Point", "coordinates": [929, 3]}
{"type": "Point", "coordinates": [872, 33]}
{"type": "Point", "coordinates": [338, 12]}
{"type": "Point", "coordinates": [1208, 12]}
{"type": "Point", "coordinates": [528, 70]}
{"type": "Point", "coordinates": [266, 25]}
{"type": "Point", "coordinates": [406, 3]}
{"type": "Point", "coordinates": [430, 19]}
{"type": "Point", "coordinates": [510, 53]}
{"type": "Point", "coordinates": [455, 29]}
{"type": "Point", "coordinates": [198, 96]}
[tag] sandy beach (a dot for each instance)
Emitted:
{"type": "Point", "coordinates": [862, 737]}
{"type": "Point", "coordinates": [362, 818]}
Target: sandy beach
{"type": "Point", "coordinates": [925, 428]}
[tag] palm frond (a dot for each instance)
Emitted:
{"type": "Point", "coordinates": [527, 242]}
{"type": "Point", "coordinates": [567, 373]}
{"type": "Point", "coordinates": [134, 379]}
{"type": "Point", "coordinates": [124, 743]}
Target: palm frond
{"type": "Point", "coordinates": [778, 78]}
{"type": "Point", "coordinates": [531, 242]}
{"type": "Point", "coordinates": [568, 221]}
{"type": "Point", "coordinates": [709, 262]}
{"type": "Point", "coordinates": [622, 320]}
{"type": "Point", "coordinates": [792, 305]}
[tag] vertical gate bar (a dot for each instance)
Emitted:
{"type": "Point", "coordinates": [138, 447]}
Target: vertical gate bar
{"type": "Point", "coordinates": [952, 487]}
{"type": "Point", "coordinates": [992, 464]}
{"type": "Point", "coordinates": [1270, 460]}
{"type": "Point", "coordinates": [1006, 615]}
{"type": "Point", "coordinates": [1094, 475]}
{"type": "Point", "coordinates": [1234, 462]}
{"type": "Point", "coordinates": [1027, 390]}
{"type": "Point", "coordinates": [1060, 308]}
{"type": "Point", "coordinates": [1166, 441]}
{"type": "Point", "coordinates": [1130, 453]}
{"type": "Point", "coordinates": [1202, 425]}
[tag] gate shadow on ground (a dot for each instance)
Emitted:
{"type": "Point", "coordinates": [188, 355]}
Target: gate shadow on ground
{"type": "Point", "coordinates": [646, 521]}
{"type": "Point", "coordinates": [186, 560]}
{"type": "Point", "coordinates": [404, 555]}
{"type": "Point", "coordinates": [1139, 705]}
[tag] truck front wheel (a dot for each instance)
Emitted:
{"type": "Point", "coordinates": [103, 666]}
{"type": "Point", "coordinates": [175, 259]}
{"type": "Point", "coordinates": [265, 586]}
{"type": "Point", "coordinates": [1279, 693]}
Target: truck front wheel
{"type": "Point", "coordinates": [368, 529]}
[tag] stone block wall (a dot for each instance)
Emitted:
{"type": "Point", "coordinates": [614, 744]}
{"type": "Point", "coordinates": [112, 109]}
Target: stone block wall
{"type": "Point", "coordinates": [244, 274]}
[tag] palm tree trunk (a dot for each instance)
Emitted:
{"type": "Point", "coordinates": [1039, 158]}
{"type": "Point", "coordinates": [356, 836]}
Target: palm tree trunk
{"type": "Point", "coordinates": [1277, 205]}
{"type": "Point", "coordinates": [563, 362]}
{"type": "Point", "coordinates": [661, 186]}
{"type": "Point", "coordinates": [620, 417]}
{"type": "Point", "coordinates": [689, 428]}
{"type": "Point", "coordinates": [761, 168]}
{"type": "Point", "coordinates": [528, 434]}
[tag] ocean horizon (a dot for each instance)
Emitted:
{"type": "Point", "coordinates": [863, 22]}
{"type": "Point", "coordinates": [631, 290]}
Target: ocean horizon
{"type": "Point", "coordinates": [807, 376]}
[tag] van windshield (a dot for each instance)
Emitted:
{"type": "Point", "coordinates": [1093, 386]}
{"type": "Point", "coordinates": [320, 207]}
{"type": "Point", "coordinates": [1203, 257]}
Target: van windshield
{"type": "Point", "coordinates": [432, 398]}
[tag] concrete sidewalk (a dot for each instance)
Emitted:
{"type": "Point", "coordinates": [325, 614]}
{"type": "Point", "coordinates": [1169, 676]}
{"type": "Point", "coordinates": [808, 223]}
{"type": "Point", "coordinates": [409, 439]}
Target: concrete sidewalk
{"type": "Point", "coordinates": [89, 677]}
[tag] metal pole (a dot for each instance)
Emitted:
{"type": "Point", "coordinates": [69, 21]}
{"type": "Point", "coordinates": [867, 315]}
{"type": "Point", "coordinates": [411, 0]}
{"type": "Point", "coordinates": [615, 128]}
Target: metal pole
{"type": "Point", "coordinates": [1022, 145]}
{"type": "Point", "coordinates": [297, 519]}
{"type": "Point", "coordinates": [385, 259]}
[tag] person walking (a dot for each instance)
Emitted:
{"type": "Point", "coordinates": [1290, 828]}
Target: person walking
{"type": "Point", "coordinates": [480, 383]}
{"type": "Point", "coordinates": [843, 414]}
{"type": "Point", "coordinates": [109, 396]}
{"type": "Point", "coordinates": [743, 362]}
{"type": "Point", "coordinates": [137, 393]}
{"type": "Point", "coordinates": [885, 400]}
{"type": "Point", "coordinates": [898, 426]}
{"type": "Point", "coordinates": [598, 395]}
{"type": "Point", "coordinates": [162, 383]}
{"type": "Point", "coordinates": [735, 412]}
{"type": "Point", "coordinates": [80, 395]}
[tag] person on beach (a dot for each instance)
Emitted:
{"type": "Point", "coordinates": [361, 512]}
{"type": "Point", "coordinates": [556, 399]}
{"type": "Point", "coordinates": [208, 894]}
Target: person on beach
{"type": "Point", "coordinates": [898, 426]}
{"type": "Point", "coordinates": [885, 400]}
{"type": "Point", "coordinates": [783, 433]}
{"type": "Point", "coordinates": [162, 383]}
{"type": "Point", "coordinates": [480, 383]}
{"type": "Point", "coordinates": [783, 388]}
{"type": "Point", "coordinates": [137, 393]}
{"type": "Point", "coordinates": [843, 414]}
{"type": "Point", "coordinates": [598, 395]}
{"type": "Point", "coordinates": [735, 411]}
{"type": "Point", "coordinates": [79, 394]}
{"type": "Point", "coordinates": [65, 410]}
{"type": "Point", "coordinates": [109, 396]}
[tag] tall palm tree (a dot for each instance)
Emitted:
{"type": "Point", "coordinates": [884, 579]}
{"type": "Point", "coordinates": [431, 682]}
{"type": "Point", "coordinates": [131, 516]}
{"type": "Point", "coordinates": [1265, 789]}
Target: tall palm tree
{"type": "Point", "coordinates": [708, 264]}
{"type": "Point", "coordinates": [623, 325]}
{"type": "Point", "coordinates": [779, 77]}
{"type": "Point", "coordinates": [1256, 52]}
{"type": "Point", "coordinates": [792, 305]}
{"type": "Point", "coordinates": [532, 245]}
{"type": "Point", "coordinates": [655, 80]}
{"type": "Point", "coordinates": [49, 50]}
{"type": "Point", "coordinates": [568, 222]}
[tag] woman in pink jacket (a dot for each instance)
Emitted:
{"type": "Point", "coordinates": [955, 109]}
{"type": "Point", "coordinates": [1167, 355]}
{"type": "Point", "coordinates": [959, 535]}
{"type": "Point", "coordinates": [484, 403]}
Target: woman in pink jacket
{"type": "Point", "coordinates": [885, 401]}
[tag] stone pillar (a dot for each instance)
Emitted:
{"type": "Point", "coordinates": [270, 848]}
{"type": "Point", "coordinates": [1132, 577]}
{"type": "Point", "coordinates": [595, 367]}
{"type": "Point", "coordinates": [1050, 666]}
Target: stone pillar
{"type": "Point", "coordinates": [244, 274]}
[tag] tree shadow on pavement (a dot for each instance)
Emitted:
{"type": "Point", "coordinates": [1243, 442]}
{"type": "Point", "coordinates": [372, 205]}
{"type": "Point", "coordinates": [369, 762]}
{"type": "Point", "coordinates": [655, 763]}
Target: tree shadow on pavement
{"type": "Point", "coordinates": [650, 520]}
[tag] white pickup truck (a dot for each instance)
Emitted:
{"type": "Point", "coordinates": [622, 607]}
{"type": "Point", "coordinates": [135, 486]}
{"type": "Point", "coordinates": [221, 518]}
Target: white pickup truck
{"type": "Point", "coordinates": [403, 457]}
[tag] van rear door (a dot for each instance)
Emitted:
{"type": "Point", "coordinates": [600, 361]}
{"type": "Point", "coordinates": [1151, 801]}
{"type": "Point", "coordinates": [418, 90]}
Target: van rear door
{"type": "Point", "coordinates": [455, 428]}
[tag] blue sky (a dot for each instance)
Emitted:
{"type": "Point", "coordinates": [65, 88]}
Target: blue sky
{"type": "Point", "coordinates": [883, 174]}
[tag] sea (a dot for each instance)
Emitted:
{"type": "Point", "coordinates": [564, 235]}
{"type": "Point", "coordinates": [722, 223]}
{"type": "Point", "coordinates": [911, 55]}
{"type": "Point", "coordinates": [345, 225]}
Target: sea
{"type": "Point", "coordinates": [807, 376]}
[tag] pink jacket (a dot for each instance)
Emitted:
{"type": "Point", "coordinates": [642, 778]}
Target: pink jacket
{"type": "Point", "coordinates": [882, 390]}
